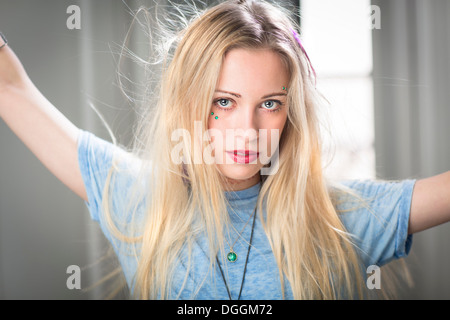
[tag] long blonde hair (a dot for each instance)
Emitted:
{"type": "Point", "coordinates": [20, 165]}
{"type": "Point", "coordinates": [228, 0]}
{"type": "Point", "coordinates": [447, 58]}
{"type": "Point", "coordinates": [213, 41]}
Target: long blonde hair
{"type": "Point", "coordinates": [312, 250]}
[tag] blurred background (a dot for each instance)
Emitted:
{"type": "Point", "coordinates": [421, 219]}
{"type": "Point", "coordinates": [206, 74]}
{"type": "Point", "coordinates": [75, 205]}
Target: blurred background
{"type": "Point", "coordinates": [384, 67]}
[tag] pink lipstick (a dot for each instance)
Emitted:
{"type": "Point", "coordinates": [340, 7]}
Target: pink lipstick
{"type": "Point", "coordinates": [243, 156]}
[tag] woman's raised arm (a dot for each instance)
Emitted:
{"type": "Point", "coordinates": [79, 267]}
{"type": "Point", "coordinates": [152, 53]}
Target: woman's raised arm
{"type": "Point", "coordinates": [40, 126]}
{"type": "Point", "coordinates": [430, 203]}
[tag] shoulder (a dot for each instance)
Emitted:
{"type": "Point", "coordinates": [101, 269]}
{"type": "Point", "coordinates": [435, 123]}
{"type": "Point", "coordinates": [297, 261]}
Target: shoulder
{"type": "Point", "coordinates": [377, 193]}
{"type": "Point", "coordinates": [107, 165]}
{"type": "Point", "coordinates": [376, 214]}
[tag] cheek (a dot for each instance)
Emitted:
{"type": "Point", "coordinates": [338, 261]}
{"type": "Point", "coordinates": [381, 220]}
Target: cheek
{"type": "Point", "coordinates": [214, 123]}
{"type": "Point", "coordinates": [215, 135]}
{"type": "Point", "coordinates": [273, 134]}
{"type": "Point", "coordinates": [217, 127]}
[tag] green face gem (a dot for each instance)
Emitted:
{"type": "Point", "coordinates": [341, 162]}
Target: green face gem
{"type": "Point", "coordinates": [216, 117]}
{"type": "Point", "coordinates": [232, 257]}
{"type": "Point", "coordinates": [212, 113]}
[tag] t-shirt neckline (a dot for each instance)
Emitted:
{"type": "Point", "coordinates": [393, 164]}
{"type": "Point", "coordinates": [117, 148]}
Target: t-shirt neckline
{"type": "Point", "coordinates": [250, 192]}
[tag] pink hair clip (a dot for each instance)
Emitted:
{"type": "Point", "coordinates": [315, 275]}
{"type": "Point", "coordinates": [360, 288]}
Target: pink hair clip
{"type": "Point", "coordinates": [297, 37]}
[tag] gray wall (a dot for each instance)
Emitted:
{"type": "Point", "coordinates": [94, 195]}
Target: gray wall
{"type": "Point", "coordinates": [44, 227]}
{"type": "Point", "coordinates": [412, 113]}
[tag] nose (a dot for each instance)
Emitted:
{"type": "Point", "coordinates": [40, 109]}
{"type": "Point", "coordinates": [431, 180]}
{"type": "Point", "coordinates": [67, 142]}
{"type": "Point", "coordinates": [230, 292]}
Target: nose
{"type": "Point", "coordinates": [246, 128]}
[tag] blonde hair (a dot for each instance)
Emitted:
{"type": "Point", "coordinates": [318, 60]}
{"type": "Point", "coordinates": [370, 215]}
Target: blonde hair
{"type": "Point", "coordinates": [309, 242]}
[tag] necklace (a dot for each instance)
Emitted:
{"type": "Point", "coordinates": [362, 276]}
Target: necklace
{"type": "Point", "coordinates": [232, 256]}
{"type": "Point", "coordinates": [246, 260]}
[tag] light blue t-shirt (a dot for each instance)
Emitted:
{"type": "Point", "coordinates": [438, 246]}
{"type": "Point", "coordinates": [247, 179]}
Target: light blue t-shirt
{"type": "Point", "coordinates": [381, 233]}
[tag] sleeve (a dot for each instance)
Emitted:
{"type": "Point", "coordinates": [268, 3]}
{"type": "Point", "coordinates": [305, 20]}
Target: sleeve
{"type": "Point", "coordinates": [95, 158]}
{"type": "Point", "coordinates": [379, 225]}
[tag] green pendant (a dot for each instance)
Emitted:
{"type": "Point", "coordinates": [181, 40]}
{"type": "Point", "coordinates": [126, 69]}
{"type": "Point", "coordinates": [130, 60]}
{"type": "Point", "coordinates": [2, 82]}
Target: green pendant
{"type": "Point", "coordinates": [232, 256]}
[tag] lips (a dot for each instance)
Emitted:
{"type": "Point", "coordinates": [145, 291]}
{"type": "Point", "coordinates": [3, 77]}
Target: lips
{"type": "Point", "coordinates": [243, 156]}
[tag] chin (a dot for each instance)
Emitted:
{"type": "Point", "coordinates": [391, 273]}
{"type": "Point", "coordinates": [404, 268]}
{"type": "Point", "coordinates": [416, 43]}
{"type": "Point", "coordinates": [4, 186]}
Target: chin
{"type": "Point", "coordinates": [239, 172]}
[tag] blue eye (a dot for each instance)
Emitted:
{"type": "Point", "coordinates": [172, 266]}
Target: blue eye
{"type": "Point", "coordinates": [223, 103]}
{"type": "Point", "coordinates": [270, 104]}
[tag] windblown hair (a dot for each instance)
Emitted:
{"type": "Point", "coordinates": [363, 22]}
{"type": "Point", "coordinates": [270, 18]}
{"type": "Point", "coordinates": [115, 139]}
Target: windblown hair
{"type": "Point", "coordinates": [311, 247]}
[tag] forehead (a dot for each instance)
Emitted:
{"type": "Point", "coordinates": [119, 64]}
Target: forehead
{"type": "Point", "coordinates": [253, 71]}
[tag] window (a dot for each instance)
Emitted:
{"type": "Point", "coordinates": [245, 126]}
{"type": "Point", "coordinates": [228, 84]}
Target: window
{"type": "Point", "coordinates": [337, 37]}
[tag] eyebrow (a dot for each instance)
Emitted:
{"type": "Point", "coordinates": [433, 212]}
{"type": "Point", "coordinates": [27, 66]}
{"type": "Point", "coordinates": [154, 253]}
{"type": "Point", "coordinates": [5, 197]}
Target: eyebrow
{"type": "Point", "coordinates": [264, 97]}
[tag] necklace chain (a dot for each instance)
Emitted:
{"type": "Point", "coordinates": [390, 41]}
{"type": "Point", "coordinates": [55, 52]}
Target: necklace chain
{"type": "Point", "coordinates": [246, 261]}
{"type": "Point", "coordinates": [232, 256]}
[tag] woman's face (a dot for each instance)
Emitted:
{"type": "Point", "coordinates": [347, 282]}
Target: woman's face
{"type": "Point", "coordinates": [248, 113]}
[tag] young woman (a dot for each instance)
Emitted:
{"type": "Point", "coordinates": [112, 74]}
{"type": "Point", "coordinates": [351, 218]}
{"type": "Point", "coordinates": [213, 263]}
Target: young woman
{"type": "Point", "coordinates": [223, 196]}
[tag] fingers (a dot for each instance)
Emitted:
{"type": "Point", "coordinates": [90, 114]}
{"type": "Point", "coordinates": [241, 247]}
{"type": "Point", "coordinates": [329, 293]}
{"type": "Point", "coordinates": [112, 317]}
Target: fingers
{"type": "Point", "coordinates": [3, 41]}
